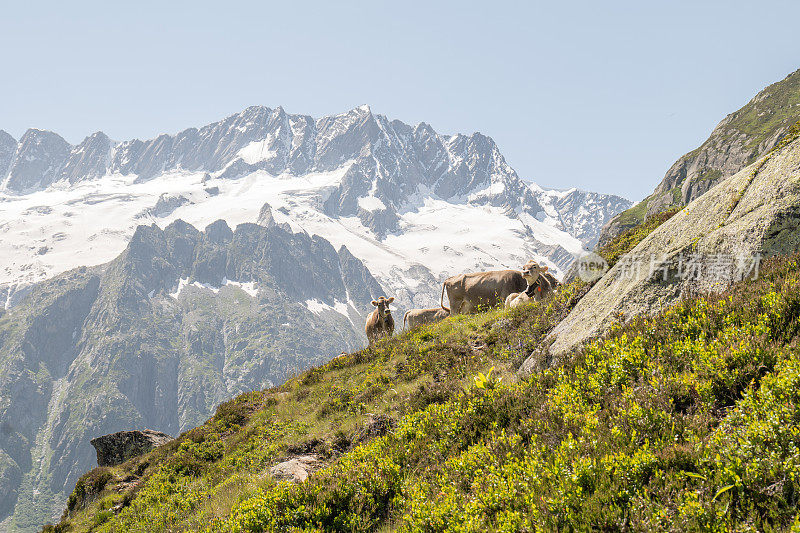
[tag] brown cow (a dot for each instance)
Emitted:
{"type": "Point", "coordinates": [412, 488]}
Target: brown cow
{"type": "Point", "coordinates": [380, 322]}
{"type": "Point", "coordinates": [418, 317]}
{"type": "Point", "coordinates": [539, 285]}
{"type": "Point", "coordinates": [468, 293]}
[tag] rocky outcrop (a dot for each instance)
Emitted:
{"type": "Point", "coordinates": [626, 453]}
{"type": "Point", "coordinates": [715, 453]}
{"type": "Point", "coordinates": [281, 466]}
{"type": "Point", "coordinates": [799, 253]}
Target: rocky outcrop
{"type": "Point", "coordinates": [737, 141]}
{"type": "Point", "coordinates": [8, 145]}
{"type": "Point", "coordinates": [296, 469]}
{"type": "Point", "coordinates": [713, 241]}
{"type": "Point", "coordinates": [118, 447]}
{"type": "Point", "coordinates": [89, 159]}
{"type": "Point", "coordinates": [584, 213]}
{"type": "Point", "coordinates": [38, 161]}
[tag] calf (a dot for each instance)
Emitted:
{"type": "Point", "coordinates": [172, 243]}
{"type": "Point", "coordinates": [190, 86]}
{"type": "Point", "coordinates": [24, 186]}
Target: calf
{"type": "Point", "coordinates": [418, 317]}
{"type": "Point", "coordinates": [539, 285]}
{"type": "Point", "coordinates": [380, 322]}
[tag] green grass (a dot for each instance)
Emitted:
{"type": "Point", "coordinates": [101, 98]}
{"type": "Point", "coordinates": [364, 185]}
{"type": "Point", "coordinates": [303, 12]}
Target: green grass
{"type": "Point", "coordinates": [688, 420]}
{"type": "Point", "coordinates": [760, 120]}
{"type": "Point", "coordinates": [634, 215]}
{"type": "Point", "coordinates": [628, 239]}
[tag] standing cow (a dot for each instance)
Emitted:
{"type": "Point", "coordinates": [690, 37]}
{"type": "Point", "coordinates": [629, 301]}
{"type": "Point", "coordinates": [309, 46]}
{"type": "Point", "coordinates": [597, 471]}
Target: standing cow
{"type": "Point", "coordinates": [380, 322]}
{"type": "Point", "coordinates": [418, 317]}
{"type": "Point", "coordinates": [468, 293]}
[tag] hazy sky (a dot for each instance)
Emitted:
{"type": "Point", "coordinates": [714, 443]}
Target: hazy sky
{"type": "Point", "coordinates": [598, 95]}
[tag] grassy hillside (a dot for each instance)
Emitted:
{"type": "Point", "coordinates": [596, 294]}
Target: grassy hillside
{"type": "Point", "coordinates": [689, 420]}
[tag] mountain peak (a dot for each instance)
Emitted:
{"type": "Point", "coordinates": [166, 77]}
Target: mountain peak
{"type": "Point", "coordinates": [6, 137]}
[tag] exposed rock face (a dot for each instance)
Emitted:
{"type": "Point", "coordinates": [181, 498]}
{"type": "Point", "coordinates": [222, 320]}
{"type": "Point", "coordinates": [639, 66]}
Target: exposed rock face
{"type": "Point", "coordinates": [737, 141]}
{"type": "Point", "coordinates": [756, 211]}
{"type": "Point", "coordinates": [8, 145]}
{"type": "Point", "coordinates": [296, 469]}
{"type": "Point", "coordinates": [89, 159]}
{"type": "Point", "coordinates": [38, 161]}
{"type": "Point", "coordinates": [583, 213]}
{"type": "Point", "coordinates": [118, 447]}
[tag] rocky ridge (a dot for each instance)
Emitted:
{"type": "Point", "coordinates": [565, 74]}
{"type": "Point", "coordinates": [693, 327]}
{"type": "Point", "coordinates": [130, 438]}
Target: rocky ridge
{"type": "Point", "coordinates": [182, 320]}
{"type": "Point", "coordinates": [737, 141]}
{"type": "Point", "coordinates": [381, 175]}
{"type": "Point", "coordinates": [718, 238]}
{"type": "Point", "coordinates": [116, 448]}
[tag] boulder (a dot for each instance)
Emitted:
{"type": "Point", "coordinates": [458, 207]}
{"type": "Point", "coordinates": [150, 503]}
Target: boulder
{"type": "Point", "coordinates": [116, 448]}
{"type": "Point", "coordinates": [721, 236]}
{"type": "Point", "coordinates": [296, 469]}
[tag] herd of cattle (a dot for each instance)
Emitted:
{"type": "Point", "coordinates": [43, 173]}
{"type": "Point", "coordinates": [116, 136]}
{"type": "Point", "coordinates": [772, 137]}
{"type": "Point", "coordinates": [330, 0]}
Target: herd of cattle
{"type": "Point", "coordinates": [468, 293]}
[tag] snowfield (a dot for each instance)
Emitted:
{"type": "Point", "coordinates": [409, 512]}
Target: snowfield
{"type": "Point", "coordinates": [90, 222]}
{"type": "Point", "coordinates": [414, 205]}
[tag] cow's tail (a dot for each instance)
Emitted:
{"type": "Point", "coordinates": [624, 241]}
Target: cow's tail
{"type": "Point", "coordinates": [405, 316]}
{"type": "Point", "coordinates": [441, 300]}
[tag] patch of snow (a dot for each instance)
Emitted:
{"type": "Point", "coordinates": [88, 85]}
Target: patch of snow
{"type": "Point", "coordinates": [316, 307]}
{"type": "Point", "coordinates": [257, 151]}
{"type": "Point", "coordinates": [249, 287]}
{"type": "Point", "coordinates": [371, 203]}
{"type": "Point", "coordinates": [343, 308]}
{"type": "Point", "coordinates": [90, 222]}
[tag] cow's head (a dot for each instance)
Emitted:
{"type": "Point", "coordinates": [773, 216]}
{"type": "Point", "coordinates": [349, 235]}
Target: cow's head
{"type": "Point", "coordinates": [382, 304]}
{"type": "Point", "coordinates": [532, 270]}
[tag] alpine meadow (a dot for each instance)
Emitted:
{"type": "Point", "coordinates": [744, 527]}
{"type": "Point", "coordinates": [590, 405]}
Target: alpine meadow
{"type": "Point", "coordinates": [471, 306]}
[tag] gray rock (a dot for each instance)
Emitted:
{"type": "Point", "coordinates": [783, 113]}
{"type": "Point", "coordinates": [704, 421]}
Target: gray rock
{"type": "Point", "coordinates": [265, 217]}
{"type": "Point", "coordinates": [8, 145]}
{"type": "Point", "coordinates": [756, 211]}
{"type": "Point", "coordinates": [296, 469]}
{"type": "Point", "coordinates": [88, 160]}
{"type": "Point", "coordinates": [38, 161]}
{"type": "Point", "coordinates": [584, 213]}
{"type": "Point", "coordinates": [118, 447]}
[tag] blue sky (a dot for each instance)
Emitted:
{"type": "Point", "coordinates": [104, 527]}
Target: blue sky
{"type": "Point", "coordinates": [598, 95]}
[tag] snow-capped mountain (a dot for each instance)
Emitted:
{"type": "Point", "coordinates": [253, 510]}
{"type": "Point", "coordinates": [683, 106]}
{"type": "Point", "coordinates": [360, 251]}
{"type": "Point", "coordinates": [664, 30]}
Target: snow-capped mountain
{"type": "Point", "coordinates": [413, 204]}
{"type": "Point", "coordinates": [582, 213]}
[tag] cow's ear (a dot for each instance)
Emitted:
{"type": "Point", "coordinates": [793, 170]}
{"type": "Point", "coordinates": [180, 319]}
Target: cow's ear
{"type": "Point", "coordinates": [374, 302]}
{"type": "Point", "coordinates": [390, 300]}
{"type": "Point", "coordinates": [544, 268]}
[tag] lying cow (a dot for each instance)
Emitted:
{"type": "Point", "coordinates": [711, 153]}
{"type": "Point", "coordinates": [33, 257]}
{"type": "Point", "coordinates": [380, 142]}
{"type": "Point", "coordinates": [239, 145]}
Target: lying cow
{"type": "Point", "coordinates": [418, 317]}
{"type": "Point", "coordinates": [539, 286]}
{"type": "Point", "coordinates": [468, 293]}
{"type": "Point", "coordinates": [380, 322]}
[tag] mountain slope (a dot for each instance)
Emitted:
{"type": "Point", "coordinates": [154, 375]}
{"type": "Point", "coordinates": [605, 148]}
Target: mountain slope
{"type": "Point", "coordinates": [737, 141]}
{"type": "Point", "coordinates": [402, 198]}
{"type": "Point", "coordinates": [179, 322]}
{"type": "Point", "coordinates": [686, 421]}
